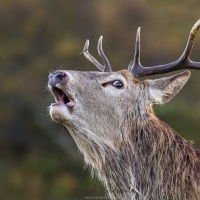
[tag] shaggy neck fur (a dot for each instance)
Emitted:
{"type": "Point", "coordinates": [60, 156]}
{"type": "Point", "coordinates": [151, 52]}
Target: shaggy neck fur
{"type": "Point", "coordinates": [148, 161]}
{"type": "Point", "coordinates": [154, 163]}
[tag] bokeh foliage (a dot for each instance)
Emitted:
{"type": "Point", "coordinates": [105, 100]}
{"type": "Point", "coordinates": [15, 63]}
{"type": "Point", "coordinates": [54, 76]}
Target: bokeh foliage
{"type": "Point", "coordinates": [38, 159]}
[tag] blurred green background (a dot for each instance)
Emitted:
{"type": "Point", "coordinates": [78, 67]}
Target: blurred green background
{"type": "Point", "coordinates": [38, 158]}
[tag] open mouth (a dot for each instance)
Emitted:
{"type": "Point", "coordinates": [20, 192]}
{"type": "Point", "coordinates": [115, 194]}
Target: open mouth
{"type": "Point", "coordinates": [61, 97]}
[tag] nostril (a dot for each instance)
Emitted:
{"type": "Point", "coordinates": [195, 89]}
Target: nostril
{"type": "Point", "coordinates": [61, 76]}
{"type": "Point", "coordinates": [57, 77]}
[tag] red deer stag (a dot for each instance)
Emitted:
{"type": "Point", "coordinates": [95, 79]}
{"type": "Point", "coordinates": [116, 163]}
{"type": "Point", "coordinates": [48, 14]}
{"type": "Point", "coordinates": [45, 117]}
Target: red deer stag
{"type": "Point", "coordinates": [110, 117]}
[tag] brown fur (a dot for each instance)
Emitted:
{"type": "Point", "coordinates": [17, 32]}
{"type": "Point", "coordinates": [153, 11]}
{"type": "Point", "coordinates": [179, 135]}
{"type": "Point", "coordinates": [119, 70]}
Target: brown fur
{"type": "Point", "coordinates": [133, 153]}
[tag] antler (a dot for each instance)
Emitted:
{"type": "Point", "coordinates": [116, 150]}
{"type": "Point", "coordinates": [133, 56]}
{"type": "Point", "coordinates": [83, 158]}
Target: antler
{"type": "Point", "coordinates": [106, 65]}
{"type": "Point", "coordinates": [183, 62]}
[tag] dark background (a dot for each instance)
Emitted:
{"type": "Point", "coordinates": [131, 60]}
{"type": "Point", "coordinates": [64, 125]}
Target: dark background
{"type": "Point", "coordinates": [38, 158]}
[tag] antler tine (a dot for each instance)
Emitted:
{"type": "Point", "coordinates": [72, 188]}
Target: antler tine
{"type": "Point", "coordinates": [182, 63]}
{"type": "Point", "coordinates": [90, 57]}
{"type": "Point", "coordinates": [104, 68]}
{"type": "Point", "coordinates": [136, 62]}
{"type": "Point", "coordinates": [107, 67]}
{"type": "Point", "coordinates": [190, 42]}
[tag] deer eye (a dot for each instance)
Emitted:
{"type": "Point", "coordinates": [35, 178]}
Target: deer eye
{"type": "Point", "coordinates": [118, 84]}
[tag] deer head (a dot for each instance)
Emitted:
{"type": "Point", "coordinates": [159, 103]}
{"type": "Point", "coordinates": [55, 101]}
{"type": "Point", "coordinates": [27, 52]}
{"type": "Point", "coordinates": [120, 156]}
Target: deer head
{"type": "Point", "coordinates": [103, 110]}
{"type": "Point", "coordinates": [102, 101]}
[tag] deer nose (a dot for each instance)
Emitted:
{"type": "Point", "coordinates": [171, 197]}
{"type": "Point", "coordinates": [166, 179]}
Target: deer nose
{"type": "Point", "coordinates": [56, 78]}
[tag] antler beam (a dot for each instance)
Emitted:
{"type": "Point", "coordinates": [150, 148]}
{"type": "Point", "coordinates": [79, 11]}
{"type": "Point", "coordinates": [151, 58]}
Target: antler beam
{"type": "Point", "coordinates": [182, 63]}
{"type": "Point", "coordinates": [106, 65]}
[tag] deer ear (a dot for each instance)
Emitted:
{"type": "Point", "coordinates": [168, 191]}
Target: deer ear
{"type": "Point", "coordinates": [164, 89]}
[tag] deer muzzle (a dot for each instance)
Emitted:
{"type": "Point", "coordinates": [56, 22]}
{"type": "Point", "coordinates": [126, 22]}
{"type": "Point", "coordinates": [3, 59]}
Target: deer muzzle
{"type": "Point", "coordinates": [56, 83]}
{"type": "Point", "coordinates": [57, 78]}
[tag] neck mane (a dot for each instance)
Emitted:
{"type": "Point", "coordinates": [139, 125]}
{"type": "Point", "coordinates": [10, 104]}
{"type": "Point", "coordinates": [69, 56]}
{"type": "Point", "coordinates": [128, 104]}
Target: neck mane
{"type": "Point", "coordinates": [153, 162]}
